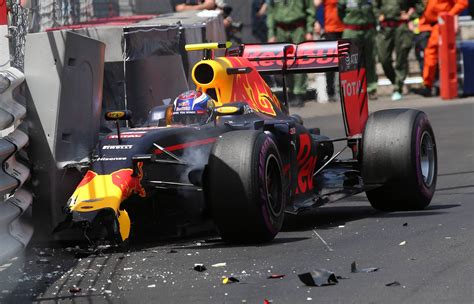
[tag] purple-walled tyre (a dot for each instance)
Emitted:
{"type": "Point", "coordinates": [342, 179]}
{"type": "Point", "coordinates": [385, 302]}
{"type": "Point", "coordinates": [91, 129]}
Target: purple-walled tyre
{"type": "Point", "coordinates": [245, 187]}
{"type": "Point", "coordinates": [399, 160]}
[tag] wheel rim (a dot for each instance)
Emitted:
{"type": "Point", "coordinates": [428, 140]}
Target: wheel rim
{"type": "Point", "coordinates": [427, 158]}
{"type": "Point", "coordinates": [273, 185]}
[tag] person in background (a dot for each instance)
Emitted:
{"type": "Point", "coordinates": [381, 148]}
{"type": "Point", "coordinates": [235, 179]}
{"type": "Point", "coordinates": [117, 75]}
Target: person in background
{"type": "Point", "coordinates": [422, 34]}
{"type": "Point", "coordinates": [333, 29]}
{"type": "Point", "coordinates": [186, 5]}
{"type": "Point", "coordinates": [259, 20]}
{"type": "Point", "coordinates": [359, 24]}
{"type": "Point", "coordinates": [395, 18]}
{"type": "Point", "coordinates": [291, 21]}
{"type": "Point", "coordinates": [429, 19]}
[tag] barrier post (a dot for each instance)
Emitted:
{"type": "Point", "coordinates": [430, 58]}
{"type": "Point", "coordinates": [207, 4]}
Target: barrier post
{"type": "Point", "coordinates": [447, 57]}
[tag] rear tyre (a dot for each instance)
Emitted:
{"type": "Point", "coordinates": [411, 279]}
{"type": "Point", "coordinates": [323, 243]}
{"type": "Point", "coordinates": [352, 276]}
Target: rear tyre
{"type": "Point", "coordinates": [399, 153]}
{"type": "Point", "coordinates": [246, 187]}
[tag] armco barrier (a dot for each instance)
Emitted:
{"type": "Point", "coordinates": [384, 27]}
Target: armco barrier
{"type": "Point", "coordinates": [64, 79]}
{"type": "Point", "coordinates": [15, 201]}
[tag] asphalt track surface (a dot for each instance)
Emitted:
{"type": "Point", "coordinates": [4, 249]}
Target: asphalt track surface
{"type": "Point", "coordinates": [429, 252]}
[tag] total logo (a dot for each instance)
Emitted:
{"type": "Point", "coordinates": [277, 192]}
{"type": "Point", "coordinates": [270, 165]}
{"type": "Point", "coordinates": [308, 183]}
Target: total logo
{"type": "Point", "coordinates": [351, 88]}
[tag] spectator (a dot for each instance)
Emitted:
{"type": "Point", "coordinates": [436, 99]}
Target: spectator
{"type": "Point", "coordinates": [333, 29]}
{"type": "Point", "coordinates": [428, 20]}
{"type": "Point", "coordinates": [420, 41]}
{"type": "Point", "coordinates": [359, 24]}
{"type": "Point", "coordinates": [186, 5]}
{"type": "Point", "coordinates": [395, 17]}
{"type": "Point", "coordinates": [291, 21]}
{"type": "Point", "coordinates": [259, 20]}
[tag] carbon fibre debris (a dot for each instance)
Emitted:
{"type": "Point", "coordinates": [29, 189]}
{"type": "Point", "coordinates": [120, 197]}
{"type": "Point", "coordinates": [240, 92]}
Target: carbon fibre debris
{"type": "Point", "coordinates": [354, 269]}
{"type": "Point", "coordinates": [318, 277]}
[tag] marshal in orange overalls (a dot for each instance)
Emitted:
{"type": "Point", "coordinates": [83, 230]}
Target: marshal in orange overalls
{"type": "Point", "coordinates": [430, 19]}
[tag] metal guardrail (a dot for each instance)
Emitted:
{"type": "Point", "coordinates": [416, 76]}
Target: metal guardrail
{"type": "Point", "coordinates": [16, 227]}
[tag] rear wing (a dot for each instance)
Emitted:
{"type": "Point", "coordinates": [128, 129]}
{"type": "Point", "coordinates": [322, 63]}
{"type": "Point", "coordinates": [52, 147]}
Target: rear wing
{"type": "Point", "coordinates": [306, 57]}
{"type": "Point", "coordinates": [342, 56]}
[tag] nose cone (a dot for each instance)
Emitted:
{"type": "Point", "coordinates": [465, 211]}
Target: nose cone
{"type": "Point", "coordinates": [106, 192]}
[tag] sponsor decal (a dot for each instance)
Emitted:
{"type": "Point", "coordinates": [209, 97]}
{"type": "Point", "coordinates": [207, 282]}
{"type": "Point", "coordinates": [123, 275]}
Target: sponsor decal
{"type": "Point", "coordinates": [306, 165]}
{"type": "Point", "coordinates": [182, 108]}
{"type": "Point", "coordinates": [311, 55]}
{"type": "Point", "coordinates": [118, 147]}
{"type": "Point", "coordinates": [115, 115]}
{"type": "Point", "coordinates": [110, 159]}
{"type": "Point", "coordinates": [352, 59]}
{"type": "Point", "coordinates": [184, 112]}
{"type": "Point", "coordinates": [350, 88]}
{"type": "Point", "coordinates": [354, 96]}
{"type": "Point", "coordinates": [126, 135]}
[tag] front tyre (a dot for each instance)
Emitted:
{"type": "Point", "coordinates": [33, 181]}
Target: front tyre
{"type": "Point", "coordinates": [246, 187]}
{"type": "Point", "coordinates": [399, 153]}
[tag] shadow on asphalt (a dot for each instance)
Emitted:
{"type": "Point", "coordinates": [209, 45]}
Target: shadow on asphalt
{"type": "Point", "coordinates": [331, 217]}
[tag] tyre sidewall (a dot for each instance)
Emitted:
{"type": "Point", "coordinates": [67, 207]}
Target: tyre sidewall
{"type": "Point", "coordinates": [421, 126]}
{"type": "Point", "coordinates": [265, 148]}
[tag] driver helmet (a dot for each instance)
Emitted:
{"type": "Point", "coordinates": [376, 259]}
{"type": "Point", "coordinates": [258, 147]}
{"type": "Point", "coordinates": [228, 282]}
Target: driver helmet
{"type": "Point", "coordinates": [192, 107]}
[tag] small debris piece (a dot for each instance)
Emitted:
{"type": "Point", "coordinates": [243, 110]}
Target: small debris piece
{"type": "Point", "coordinates": [309, 299]}
{"type": "Point", "coordinates": [403, 243]}
{"type": "Point", "coordinates": [228, 280]}
{"type": "Point", "coordinates": [219, 265]}
{"type": "Point", "coordinates": [318, 277]}
{"type": "Point", "coordinates": [5, 266]}
{"type": "Point", "coordinates": [74, 289]}
{"type": "Point", "coordinates": [108, 291]}
{"type": "Point", "coordinates": [265, 301]}
{"type": "Point", "coordinates": [276, 276]}
{"type": "Point", "coordinates": [342, 278]}
{"type": "Point", "coordinates": [44, 254]}
{"type": "Point", "coordinates": [128, 268]}
{"type": "Point", "coordinates": [366, 270]}
{"type": "Point", "coordinates": [172, 251]}
{"type": "Point", "coordinates": [42, 261]}
{"type": "Point", "coordinates": [341, 226]}
{"type": "Point", "coordinates": [151, 286]}
{"type": "Point", "coordinates": [394, 283]}
{"type": "Point", "coordinates": [200, 267]}
{"type": "Point", "coordinates": [405, 224]}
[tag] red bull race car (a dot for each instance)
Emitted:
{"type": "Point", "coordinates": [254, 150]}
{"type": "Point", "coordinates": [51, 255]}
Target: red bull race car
{"type": "Point", "coordinates": [229, 151]}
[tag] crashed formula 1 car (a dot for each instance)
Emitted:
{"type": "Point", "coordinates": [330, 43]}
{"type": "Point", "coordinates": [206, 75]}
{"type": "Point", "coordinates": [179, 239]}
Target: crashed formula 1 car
{"type": "Point", "coordinates": [231, 152]}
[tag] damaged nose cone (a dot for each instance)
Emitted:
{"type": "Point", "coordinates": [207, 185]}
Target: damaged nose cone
{"type": "Point", "coordinates": [94, 206]}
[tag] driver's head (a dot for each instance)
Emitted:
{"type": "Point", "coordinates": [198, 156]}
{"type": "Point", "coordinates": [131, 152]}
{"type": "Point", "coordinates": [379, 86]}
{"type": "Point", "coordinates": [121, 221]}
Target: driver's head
{"type": "Point", "coordinates": [192, 107]}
